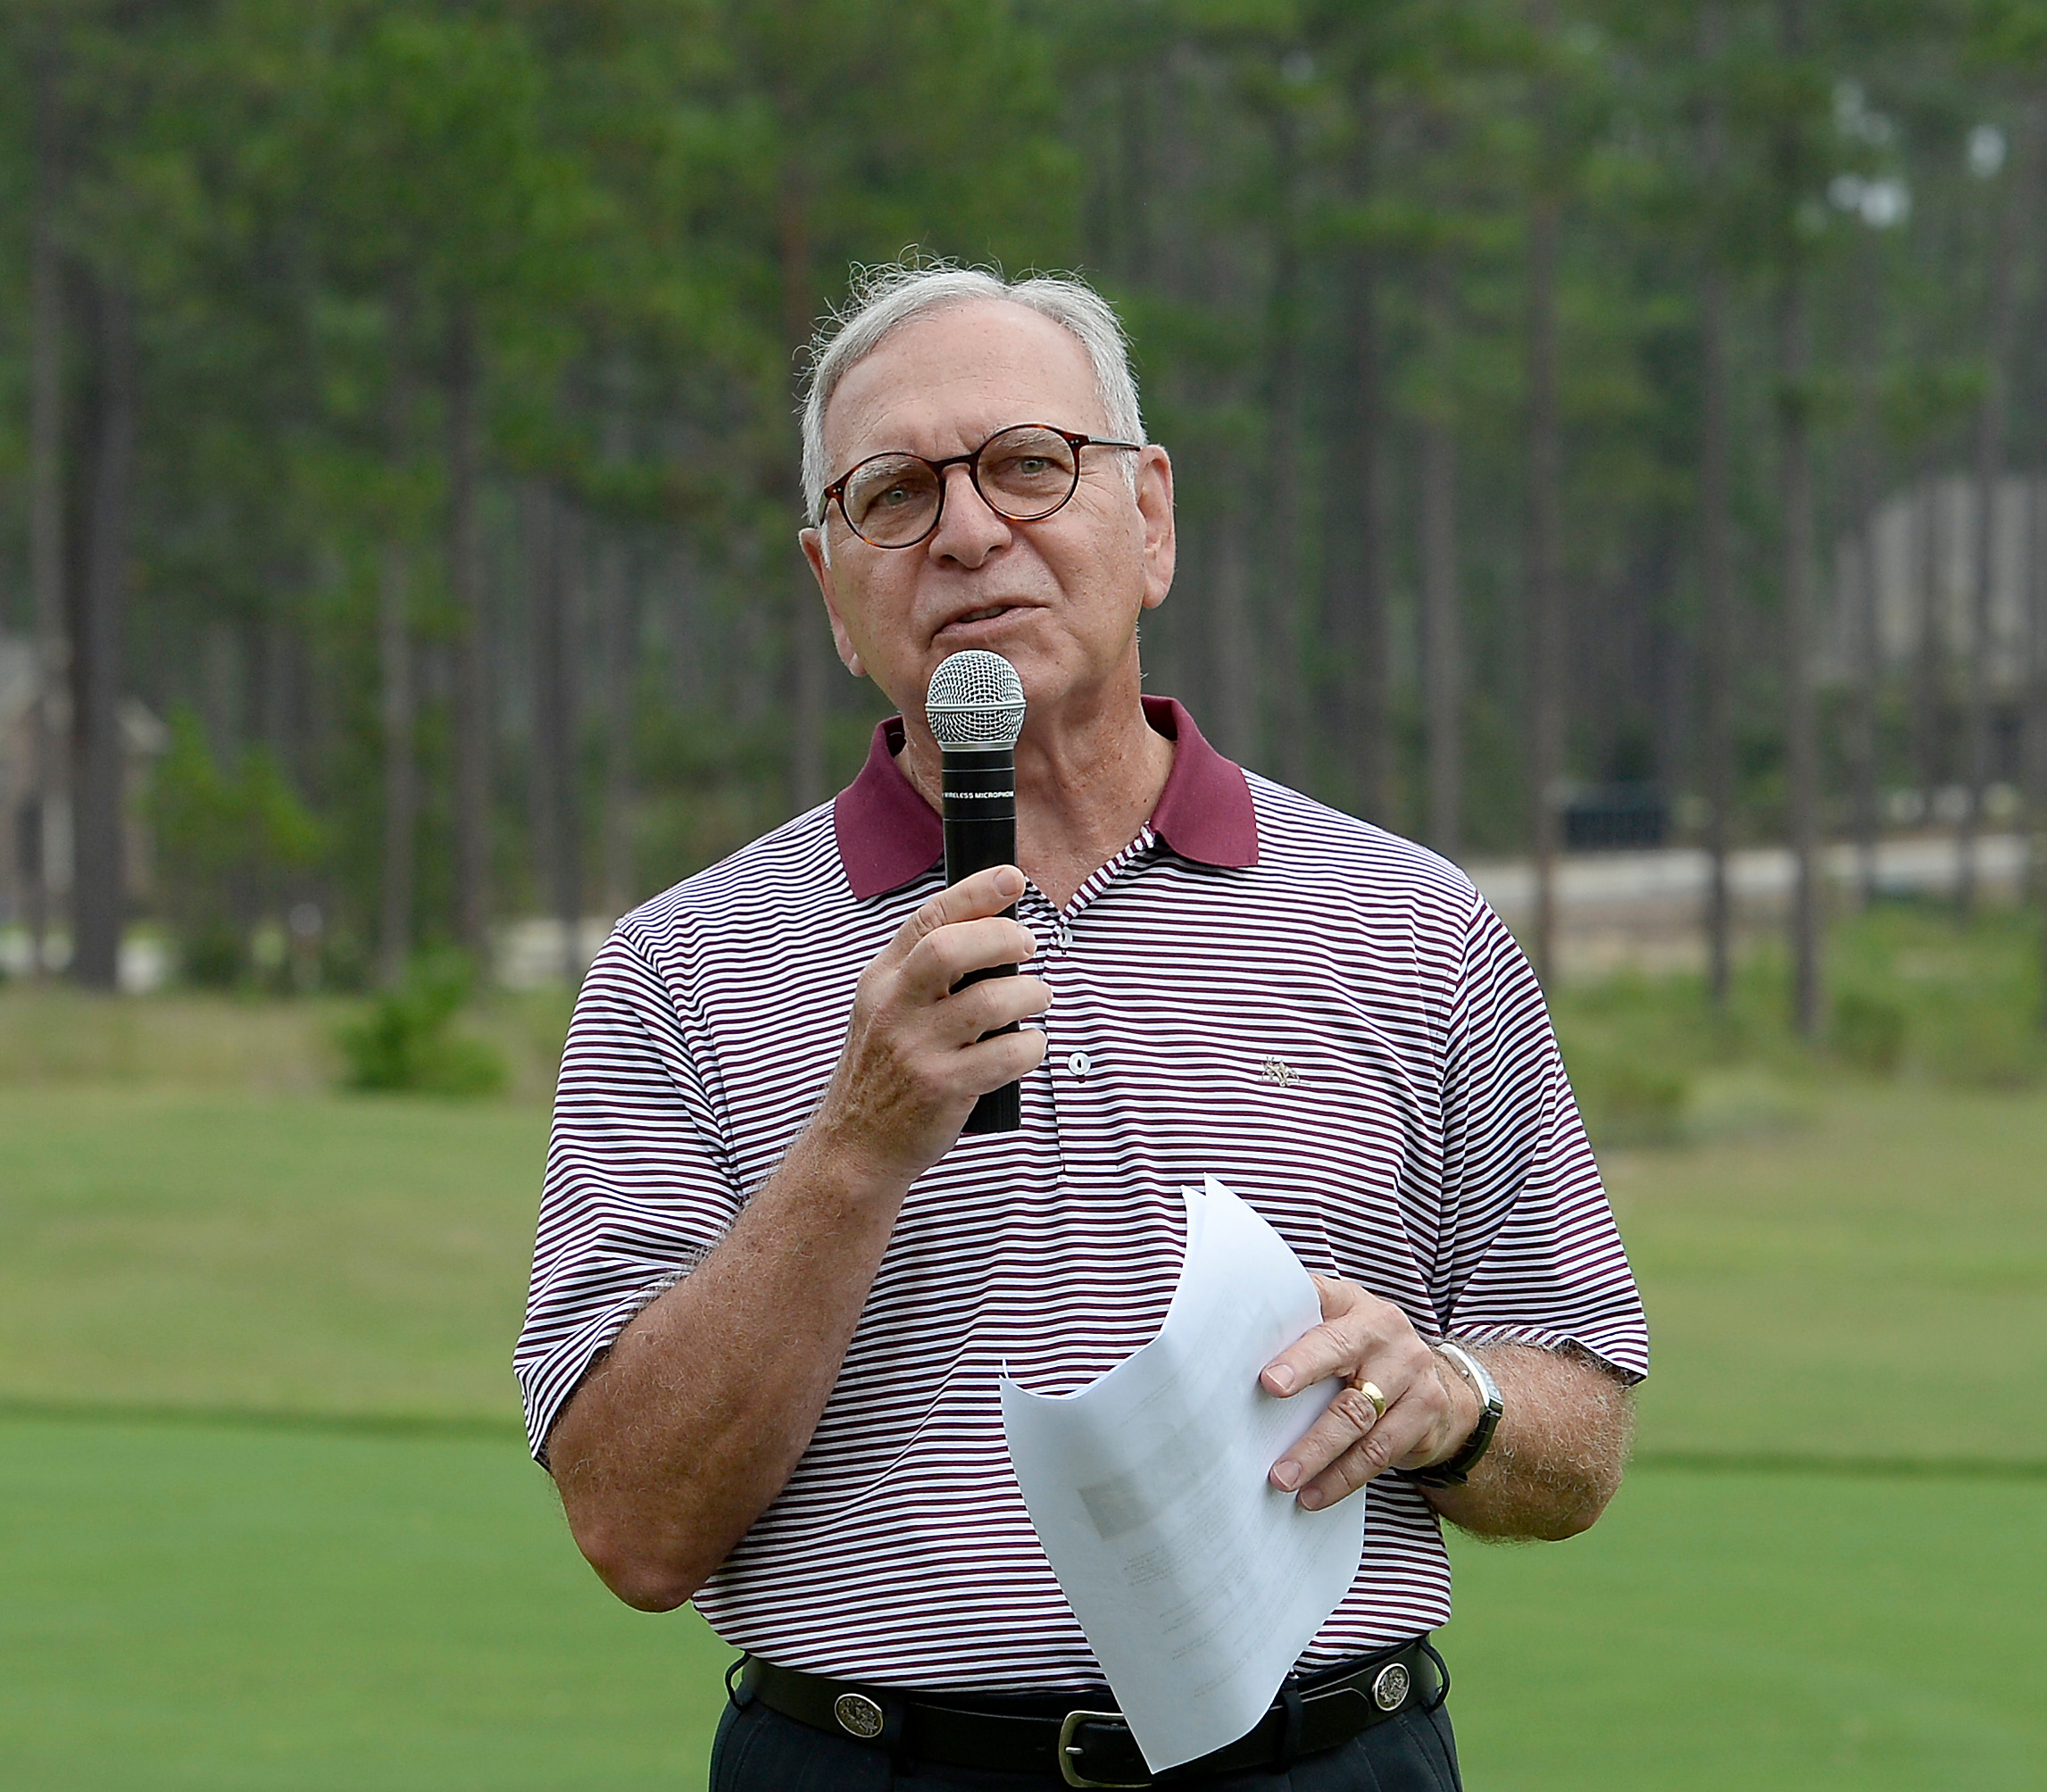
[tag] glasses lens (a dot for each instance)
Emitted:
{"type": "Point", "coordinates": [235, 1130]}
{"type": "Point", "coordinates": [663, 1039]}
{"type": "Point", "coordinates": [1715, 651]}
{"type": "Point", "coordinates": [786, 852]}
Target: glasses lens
{"type": "Point", "coordinates": [1028, 473]}
{"type": "Point", "coordinates": [891, 499]}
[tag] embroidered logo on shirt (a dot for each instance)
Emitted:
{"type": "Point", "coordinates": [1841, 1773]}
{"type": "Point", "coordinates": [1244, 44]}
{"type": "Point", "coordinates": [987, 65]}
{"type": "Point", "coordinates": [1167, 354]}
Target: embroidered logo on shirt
{"type": "Point", "coordinates": [1278, 1071]}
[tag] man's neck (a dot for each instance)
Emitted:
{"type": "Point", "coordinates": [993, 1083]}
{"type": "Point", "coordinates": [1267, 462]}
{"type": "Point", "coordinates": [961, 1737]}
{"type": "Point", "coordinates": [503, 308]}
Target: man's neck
{"type": "Point", "coordinates": [1084, 788]}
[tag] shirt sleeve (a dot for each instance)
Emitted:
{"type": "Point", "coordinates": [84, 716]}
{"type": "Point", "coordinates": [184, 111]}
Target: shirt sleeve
{"type": "Point", "coordinates": [637, 1188]}
{"type": "Point", "coordinates": [1529, 1250]}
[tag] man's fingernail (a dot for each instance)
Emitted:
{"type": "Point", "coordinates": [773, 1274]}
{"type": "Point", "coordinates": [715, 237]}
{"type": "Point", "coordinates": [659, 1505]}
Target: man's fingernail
{"type": "Point", "coordinates": [1311, 1497]}
{"type": "Point", "coordinates": [1287, 1475]}
{"type": "Point", "coordinates": [1009, 881]}
{"type": "Point", "coordinates": [1280, 1378]}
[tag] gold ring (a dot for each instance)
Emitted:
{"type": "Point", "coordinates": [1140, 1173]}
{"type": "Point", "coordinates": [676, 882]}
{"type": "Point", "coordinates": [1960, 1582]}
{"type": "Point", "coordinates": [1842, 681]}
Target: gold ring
{"type": "Point", "coordinates": [1370, 1390]}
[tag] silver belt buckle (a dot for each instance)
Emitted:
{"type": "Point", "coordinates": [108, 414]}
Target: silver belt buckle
{"type": "Point", "coordinates": [1068, 1748]}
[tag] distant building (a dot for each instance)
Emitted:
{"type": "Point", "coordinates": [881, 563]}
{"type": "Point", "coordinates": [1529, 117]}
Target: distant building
{"type": "Point", "coordinates": [36, 837]}
{"type": "Point", "coordinates": [1921, 545]}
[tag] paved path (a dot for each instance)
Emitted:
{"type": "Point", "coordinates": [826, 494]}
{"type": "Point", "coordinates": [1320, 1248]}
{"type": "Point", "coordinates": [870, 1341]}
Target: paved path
{"type": "Point", "coordinates": [1675, 876]}
{"type": "Point", "coordinates": [1646, 910]}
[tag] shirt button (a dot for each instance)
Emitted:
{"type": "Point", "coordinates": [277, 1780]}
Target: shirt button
{"type": "Point", "coordinates": [1063, 938]}
{"type": "Point", "coordinates": [1079, 1063]}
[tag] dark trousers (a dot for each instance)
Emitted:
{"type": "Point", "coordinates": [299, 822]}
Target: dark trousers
{"type": "Point", "coordinates": [759, 1750]}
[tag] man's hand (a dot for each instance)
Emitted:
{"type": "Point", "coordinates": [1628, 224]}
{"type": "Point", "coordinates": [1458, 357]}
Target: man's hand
{"type": "Point", "coordinates": [915, 1060]}
{"type": "Point", "coordinates": [1553, 1463]}
{"type": "Point", "coordinates": [1364, 1339]}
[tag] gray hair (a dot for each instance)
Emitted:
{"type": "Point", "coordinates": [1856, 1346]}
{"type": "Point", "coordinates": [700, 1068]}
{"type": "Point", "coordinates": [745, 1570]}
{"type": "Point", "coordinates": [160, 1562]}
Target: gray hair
{"type": "Point", "coordinates": [883, 299]}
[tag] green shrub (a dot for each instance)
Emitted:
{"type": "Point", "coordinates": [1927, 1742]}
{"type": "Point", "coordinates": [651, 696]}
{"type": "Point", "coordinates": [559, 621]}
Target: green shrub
{"type": "Point", "coordinates": [1868, 1032]}
{"type": "Point", "coordinates": [228, 838]}
{"type": "Point", "coordinates": [214, 956]}
{"type": "Point", "coordinates": [403, 1041]}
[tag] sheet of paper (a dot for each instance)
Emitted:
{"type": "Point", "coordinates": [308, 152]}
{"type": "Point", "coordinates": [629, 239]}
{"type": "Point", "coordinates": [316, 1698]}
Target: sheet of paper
{"type": "Point", "coordinates": [1198, 1583]}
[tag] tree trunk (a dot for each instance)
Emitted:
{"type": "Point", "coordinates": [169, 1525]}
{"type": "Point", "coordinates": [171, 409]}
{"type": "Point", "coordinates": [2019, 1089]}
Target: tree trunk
{"type": "Point", "coordinates": [1716, 560]}
{"type": "Point", "coordinates": [98, 886]}
{"type": "Point", "coordinates": [1544, 576]}
{"type": "Point", "coordinates": [1862, 596]}
{"type": "Point", "coordinates": [1283, 601]}
{"type": "Point", "coordinates": [1865, 745]}
{"type": "Point", "coordinates": [1235, 646]}
{"type": "Point", "coordinates": [472, 705]}
{"type": "Point", "coordinates": [1717, 602]}
{"type": "Point", "coordinates": [46, 719]}
{"type": "Point", "coordinates": [550, 556]}
{"type": "Point", "coordinates": [1800, 721]}
{"type": "Point", "coordinates": [810, 689]}
{"type": "Point", "coordinates": [1795, 476]}
{"type": "Point", "coordinates": [1929, 661]}
{"type": "Point", "coordinates": [1989, 479]}
{"type": "Point", "coordinates": [1353, 554]}
{"type": "Point", "coordinates": [2027, 204]}
{"type": "Point", "coordinates": [1442, 600]}
{"type": "Point", "coordinates": [399, 706]}
{"type": "Point", "coordinates": [618, 627]}
{"type": "Point", "coordinates": [401, 773]}
{"type": "Point", "coordinates": [2037, 706]}
{"type": "Point", "coordinates": [809, 648]}
{"type": "Point", "coordinates": [1134, 119]}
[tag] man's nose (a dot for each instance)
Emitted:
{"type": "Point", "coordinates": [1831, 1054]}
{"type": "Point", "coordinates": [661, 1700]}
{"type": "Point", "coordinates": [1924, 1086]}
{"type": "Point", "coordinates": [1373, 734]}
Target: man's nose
{"type": "Point", "coordinates": [967, 530]}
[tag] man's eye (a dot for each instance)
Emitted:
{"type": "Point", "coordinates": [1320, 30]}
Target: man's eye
{"type": "Point", "coordinates": [896, 495]}
{"type": "Point", "coordinates": [1022, 467]}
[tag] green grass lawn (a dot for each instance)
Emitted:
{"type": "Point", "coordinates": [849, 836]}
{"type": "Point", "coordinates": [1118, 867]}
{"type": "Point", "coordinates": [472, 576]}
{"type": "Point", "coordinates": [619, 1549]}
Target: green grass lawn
{"type": "Point", "coordinates": [263, 1610]}
{"type": "Point", "coordinates": [362, 1254]}
{"type": "Point", "coordinates": [1766, 1631]}
{"type": "Point", "coordinates": [243, 1610]}
{"type": "Point", "coordinates": [240, 1605]}
{"type": "Point", "coordinates": [1868, 1285]}
{"type": "Point", "coordinates": [1873, 1285]}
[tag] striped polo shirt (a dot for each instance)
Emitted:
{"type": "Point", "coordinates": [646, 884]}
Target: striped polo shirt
{"type": "Point", "coordinates": [1256, 988]}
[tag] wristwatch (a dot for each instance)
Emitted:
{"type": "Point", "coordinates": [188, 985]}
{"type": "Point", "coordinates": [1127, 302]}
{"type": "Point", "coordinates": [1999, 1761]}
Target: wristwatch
{"type": "Point", "coordinates": [1453, 1471]}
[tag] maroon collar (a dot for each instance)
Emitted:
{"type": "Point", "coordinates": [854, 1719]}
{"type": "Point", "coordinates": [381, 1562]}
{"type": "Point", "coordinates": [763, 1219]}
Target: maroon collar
{"type": "Point", "coordinates": [888, 834]}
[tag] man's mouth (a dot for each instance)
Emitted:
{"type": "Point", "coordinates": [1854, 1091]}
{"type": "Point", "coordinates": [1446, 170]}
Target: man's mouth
{"type": "Point", "coordinates": [988, 614]}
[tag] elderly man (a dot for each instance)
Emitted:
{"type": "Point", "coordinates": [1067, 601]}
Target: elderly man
{"type": "Point", "coordinates": [774, 1287]}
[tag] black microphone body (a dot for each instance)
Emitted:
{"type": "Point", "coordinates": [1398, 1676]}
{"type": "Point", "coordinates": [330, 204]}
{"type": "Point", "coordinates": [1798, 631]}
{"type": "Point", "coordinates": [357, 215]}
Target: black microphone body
{"type": "Point", "coordinates": [978, 786]}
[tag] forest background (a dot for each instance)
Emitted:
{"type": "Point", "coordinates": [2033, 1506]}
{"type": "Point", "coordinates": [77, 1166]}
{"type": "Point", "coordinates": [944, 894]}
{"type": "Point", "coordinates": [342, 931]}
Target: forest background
{"type": "Point", "coordinates": [397, 399]}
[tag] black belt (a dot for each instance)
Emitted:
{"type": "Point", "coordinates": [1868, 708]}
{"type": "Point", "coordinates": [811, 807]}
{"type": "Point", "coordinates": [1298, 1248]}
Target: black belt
{"type": "Point", "coordinates": [1078, 1736]}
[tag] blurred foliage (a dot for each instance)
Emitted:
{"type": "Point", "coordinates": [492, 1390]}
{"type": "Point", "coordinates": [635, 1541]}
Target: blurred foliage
{"type": "Point", "coordinates": [1920, 997]}
{"type": "Point", "coordinates": [403, 1041]}
{"type": "Point", "coordinates": [52, 1037]}
{"type": "Point", "coordinates": [606, 228]}
{"type": "Point", "coordinates": [228, 839]}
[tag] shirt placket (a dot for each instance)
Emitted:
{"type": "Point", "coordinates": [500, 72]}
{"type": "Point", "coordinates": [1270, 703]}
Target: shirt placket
{"type": "Point", "coordinates": [1074, 1047]}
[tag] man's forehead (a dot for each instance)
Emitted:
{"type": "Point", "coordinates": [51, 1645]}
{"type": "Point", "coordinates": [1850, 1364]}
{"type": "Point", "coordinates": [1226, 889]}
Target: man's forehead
{"type": "Point", "coordinates": [956, 375]}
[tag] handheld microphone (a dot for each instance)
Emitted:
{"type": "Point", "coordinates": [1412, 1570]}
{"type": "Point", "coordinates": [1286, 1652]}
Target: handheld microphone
{"type": "Point", "coordinates": [975, 709]}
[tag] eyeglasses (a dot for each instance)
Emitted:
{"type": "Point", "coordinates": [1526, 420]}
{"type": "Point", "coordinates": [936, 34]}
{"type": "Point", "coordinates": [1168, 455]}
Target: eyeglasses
{"type": "Point", "coordinates": [1023, 473]}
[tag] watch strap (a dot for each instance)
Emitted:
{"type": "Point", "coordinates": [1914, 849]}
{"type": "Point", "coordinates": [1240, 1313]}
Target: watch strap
{"type": "Point", "coordinates": [1454, 1472]}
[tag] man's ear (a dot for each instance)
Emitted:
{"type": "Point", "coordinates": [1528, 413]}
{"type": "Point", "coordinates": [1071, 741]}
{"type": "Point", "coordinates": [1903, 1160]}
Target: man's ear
{"type": "Point", "coordinates": [812, 542]}
{"type": "Point", "coordinates": [1155, 509]}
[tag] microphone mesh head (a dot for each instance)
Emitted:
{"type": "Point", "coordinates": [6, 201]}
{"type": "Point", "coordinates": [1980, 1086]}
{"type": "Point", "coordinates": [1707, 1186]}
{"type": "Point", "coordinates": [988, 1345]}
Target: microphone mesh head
{"type": "Point", "coordinates": [976, 699]}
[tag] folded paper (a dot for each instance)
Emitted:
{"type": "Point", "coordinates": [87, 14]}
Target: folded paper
{"type": "Point", "coordinates": [1197, 1582]}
